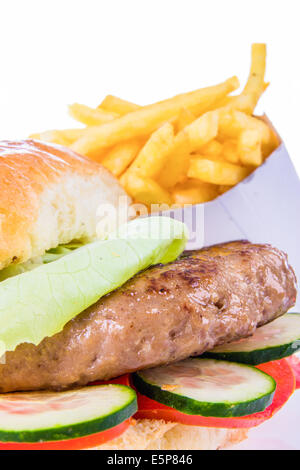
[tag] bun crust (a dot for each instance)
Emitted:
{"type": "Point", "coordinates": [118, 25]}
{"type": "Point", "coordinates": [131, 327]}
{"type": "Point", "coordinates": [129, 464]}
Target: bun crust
{"type": "Point", "coordinates": [49, 195]}
{"type": "Point", "coordinates": [146, 434]}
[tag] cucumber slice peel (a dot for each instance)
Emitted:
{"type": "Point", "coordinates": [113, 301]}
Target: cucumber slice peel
{"type": "Point", "coordinates": [276, 340]}
{"type": "Point", "coordinates": [55, 416]}
{"type": "Point", "coordinates": [208, 387]}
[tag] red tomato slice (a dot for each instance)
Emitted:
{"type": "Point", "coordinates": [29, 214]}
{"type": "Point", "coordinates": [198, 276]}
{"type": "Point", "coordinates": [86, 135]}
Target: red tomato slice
{"type": "Point", "coordinates": [279, 370]}
{"type": "Point", "coordinates": [122, 380]}
{"type": "Point", "coordinates": [294, 362]}
{"type": "Point", "coordinates": [85, 442]}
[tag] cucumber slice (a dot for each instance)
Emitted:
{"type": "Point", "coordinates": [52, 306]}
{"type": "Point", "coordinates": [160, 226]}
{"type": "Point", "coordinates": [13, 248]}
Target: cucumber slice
{"type": "Point", "coordinates": [55, 416]}
{"type": "Point", "coordinates": [208, 387]}
{"type": "Point", "coordinates": [270, 342]}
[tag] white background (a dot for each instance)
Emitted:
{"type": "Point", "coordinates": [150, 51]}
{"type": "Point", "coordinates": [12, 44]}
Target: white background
{"type": "Point", "coordinates": [56, 52]}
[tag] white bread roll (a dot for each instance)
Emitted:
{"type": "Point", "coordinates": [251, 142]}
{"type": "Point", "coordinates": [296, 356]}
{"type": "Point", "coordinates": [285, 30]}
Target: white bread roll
{"type": "Point", "coordinates": [49, 196]}
{"type": "Point", "coordinates": [148, 434]}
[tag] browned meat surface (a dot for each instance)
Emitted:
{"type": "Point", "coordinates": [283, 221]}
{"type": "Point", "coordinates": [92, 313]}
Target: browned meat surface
{"type": "Point", "coordinates": [164, 314]}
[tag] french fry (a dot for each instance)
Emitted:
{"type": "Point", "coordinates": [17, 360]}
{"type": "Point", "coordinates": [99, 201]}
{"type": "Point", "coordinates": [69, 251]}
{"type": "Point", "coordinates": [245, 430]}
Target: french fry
{"type": "Point", "coordinates": [192, 137]}
{"type": "Point", "coordinates": [202, 131]}
{"type": "Point", "coordinates": [194, 192]}
{"type": "Point", "coordinates": [232, 123]}
{"type": "Point", "coordinates": [113, 104]}
{"type": "Point", "coordinates": [218, 158]}
{"type": "Point", "coordinates": [90, 116]}
{"type": "Point", "coordinates": [215, 150]}
{"type": "Point", "coordinates": [71, 134]}
{"type": "Point", "coordinates": [153, 156]}
{"type": "Point", "coordinates": [98, 154]}
{"type": "Point", "coordinates": [121, 156]}
{"type": "Point", "coordinates": [176, 170]}
{"type": "Point", "coordinates": [53, 136]}
{"type": "Point", "coordinates": [63, 137]}
{"type": "Point", "coordinates": [252, 157]}
{"type": "Point", "coordinates": [185, 118]}
{"type": "Point", "coordinates": [217, 172]}
{"type": "Point", "coordinates": [212, 149]}
{"type": "Point", "coordinates": [255, 85]}
{"type": "Point", "coordinates": [223, 188]}
{"type": "Point", "coordinates": [241, 101]}
{"type": "Point", "coordinates": [249, 145]}
{"type": "Point", "coordinates": [145, 190]}
{"type": "Point", "coordinates": [230, 151]}
{"type": "Point", "coordinates": [145, 120]}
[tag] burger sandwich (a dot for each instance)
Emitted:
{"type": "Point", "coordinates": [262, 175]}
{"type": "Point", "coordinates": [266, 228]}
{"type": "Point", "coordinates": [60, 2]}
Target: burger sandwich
{"type": "Point", "coordinates": [122, 340]}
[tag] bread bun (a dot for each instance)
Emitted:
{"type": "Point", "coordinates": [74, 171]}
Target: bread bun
{"type": "Point", "coordinates": [49, 196]}
{"type": "Point", "coordinates": [146, 434]}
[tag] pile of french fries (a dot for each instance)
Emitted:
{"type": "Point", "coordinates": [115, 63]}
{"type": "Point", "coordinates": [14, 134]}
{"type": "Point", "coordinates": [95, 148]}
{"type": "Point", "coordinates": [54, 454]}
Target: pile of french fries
{"type": "Point", "coordinates": [185, 150]}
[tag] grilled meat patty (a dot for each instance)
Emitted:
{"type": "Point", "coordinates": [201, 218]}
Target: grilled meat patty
{"type": "Point", "coordinates": [167, 313]}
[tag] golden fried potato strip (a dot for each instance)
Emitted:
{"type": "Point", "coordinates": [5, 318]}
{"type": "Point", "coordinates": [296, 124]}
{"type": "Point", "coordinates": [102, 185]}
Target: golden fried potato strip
{"type": "Point", "coordinates": [113, 104]}
{"type": "Point", "coordinates": [216, 172]}
{"type": "Point", "coordinates": [147, 119]}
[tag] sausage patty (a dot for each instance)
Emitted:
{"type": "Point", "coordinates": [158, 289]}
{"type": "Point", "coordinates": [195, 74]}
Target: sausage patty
{"type": "Point", "coordinates": [167, 313]}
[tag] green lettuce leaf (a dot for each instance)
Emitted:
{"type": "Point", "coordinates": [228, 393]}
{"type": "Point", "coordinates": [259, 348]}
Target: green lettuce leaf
{"type": "Point", "coordinates": [50, 255]}
{"type": "Point", "coordinates": [38, 303]}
